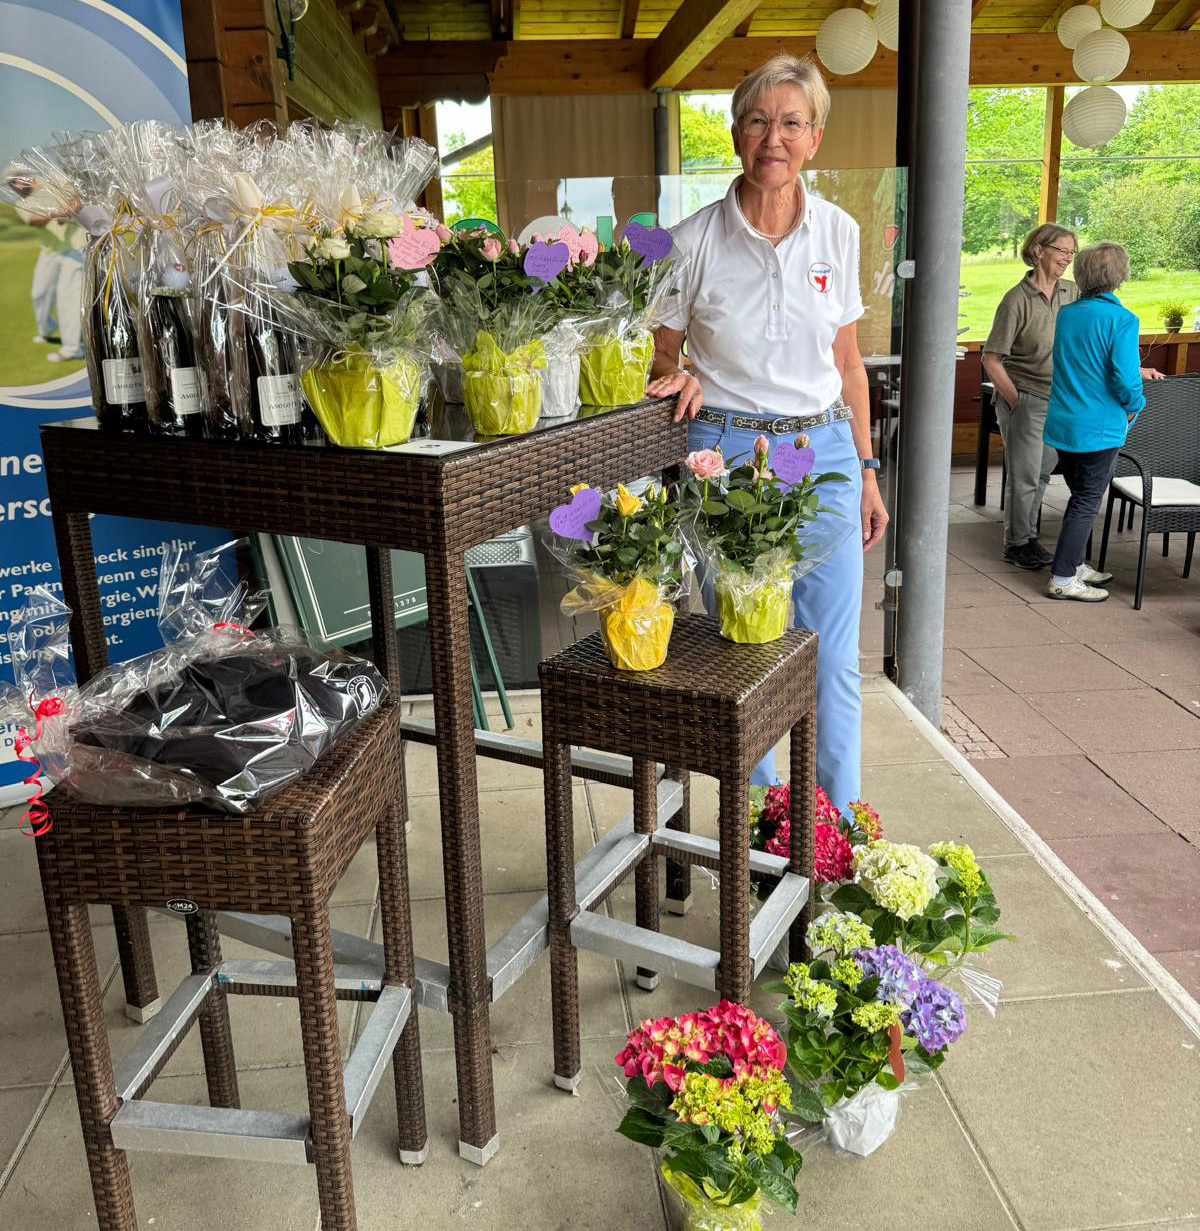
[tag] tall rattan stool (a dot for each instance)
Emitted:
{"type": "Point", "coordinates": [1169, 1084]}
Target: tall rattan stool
{"type": "Point", "coordinates": [713, 708]}
{"type": "Point", "coordinates": [286, 858]}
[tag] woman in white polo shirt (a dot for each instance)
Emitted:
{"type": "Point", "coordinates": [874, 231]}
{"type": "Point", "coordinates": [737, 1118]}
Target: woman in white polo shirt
{"type": "Point", "coordinates": [768, 310]}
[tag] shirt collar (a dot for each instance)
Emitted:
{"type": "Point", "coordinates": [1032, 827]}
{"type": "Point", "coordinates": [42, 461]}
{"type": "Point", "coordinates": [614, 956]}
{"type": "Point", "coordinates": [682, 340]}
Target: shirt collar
{"type": "Point", "coordinates": [1060, 286]}
{"type": "Point", "coordinates": [735, 220]}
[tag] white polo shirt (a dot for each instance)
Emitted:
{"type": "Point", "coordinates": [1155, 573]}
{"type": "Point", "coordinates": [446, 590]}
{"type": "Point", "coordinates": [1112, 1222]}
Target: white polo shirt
{"type": "Point", "coordinates": [761, 320]}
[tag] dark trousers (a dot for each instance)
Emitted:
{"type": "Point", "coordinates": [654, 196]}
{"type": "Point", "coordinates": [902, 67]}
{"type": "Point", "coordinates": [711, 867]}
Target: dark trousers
{"type": "Point", "coordinates": [1087, 475]}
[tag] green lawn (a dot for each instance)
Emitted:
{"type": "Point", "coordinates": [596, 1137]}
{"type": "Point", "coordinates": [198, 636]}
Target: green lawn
{"type": "Point", "coordinates": [988, 277]}
{"type": "Point", "coordinates": [21, 362]}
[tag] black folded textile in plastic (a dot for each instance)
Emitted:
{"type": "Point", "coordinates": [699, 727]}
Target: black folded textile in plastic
{"type": "Point", "coordinates": [234, 725]}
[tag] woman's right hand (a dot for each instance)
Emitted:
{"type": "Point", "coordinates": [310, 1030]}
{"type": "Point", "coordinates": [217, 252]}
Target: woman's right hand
{"type": "Point", "coordinates": [691, 396]}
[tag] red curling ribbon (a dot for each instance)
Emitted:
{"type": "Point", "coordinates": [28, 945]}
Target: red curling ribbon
{"type": "Point", "coordinates": [37, 820]}
{"type": "Point", "coordinates": [241, 628]}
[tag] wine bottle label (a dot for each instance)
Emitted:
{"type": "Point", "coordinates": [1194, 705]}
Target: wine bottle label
{"type": "Point", "coordinates": [279, 400]}
{"type": "Point", "coordinates": [185, 390]}
{"type": "Point", "coordinates": [123, 381]}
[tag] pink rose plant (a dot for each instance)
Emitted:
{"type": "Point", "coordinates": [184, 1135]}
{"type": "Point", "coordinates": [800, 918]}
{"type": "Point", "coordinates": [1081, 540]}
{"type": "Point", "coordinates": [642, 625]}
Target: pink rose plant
{"type": "Point", "coordinates": [491, 249]}
{"type": "Point", "coordinates": [706, 464]}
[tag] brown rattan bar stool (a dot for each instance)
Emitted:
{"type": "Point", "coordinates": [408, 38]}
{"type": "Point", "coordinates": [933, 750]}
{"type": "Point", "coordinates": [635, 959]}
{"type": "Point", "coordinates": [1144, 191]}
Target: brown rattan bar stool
{"type": "Point", "coordinates": [713, 708]}
{"type": "Point", "coordinates": [286, 858]}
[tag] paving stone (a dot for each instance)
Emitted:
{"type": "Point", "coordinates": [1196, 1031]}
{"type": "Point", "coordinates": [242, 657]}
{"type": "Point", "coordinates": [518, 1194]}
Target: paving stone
{"type": "Point", "coordinates": [17, 1109]}
{"type": "Point", "coordinates": [1068, 797]}
{"type": "Point", "coordinates": [1110, 621]}
{"type": "Point", "coordinates": [889, 736]}
{"type": "Point", "coordinates": [1185, 966]}
{"type": "Point", "coordinates": [976, 590]}
{"type": "Point", "coordinates": [1173, 666]}
{"type": "Point", "coordinates": [961, 674]}
{"type": "Point", "coordinates": [1013, 725]}
{"type": "Point", "coordinates": [1053, 668]}
{"type": "Point", "coordinates": [1151, 883]}
{"type": "Point", "coordinates": [1127, 720]}
{"type": "Point", "coordinates": [1164, 782]}
{"type": "Point", "coordinates": [970, 628]}
{"type": "Point", "coordinates": [1053, 1104]}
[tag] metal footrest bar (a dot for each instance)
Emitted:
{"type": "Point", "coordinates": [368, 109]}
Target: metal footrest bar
{"type": "Point", "coordinates": [628, 943]}
{"type": "Point", "coordinates": [160, 1039]}
{"type": "Point", "coordinates": [707, 852]}
{"type": "Point", "coordinates": [263, 978]}
{"type": "Point", "coordinates": [369, 1059]}
{"type": "Point", "coordinates": [778, 912]}
{"type": "Point", "coordinates": [214, 1132]}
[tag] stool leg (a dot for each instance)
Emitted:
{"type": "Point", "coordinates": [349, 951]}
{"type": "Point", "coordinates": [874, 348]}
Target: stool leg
{"type": "Point", "coordinates": [216, 1038]}
{"type": "Point", "coordinates": [91, 1062]}
{"type": "Point", "coordinates": [645, 875]}
{"type": "Point", "coordinates": [137, 963]}
{"type": "Point", "coordinates": [679, 874]}
{"type": "Point", "coordinates": [563, 907]}
{"type": "Point", "coordinates": [330, 1123]}
{"type": "Point", "coordinates": [733, 973]}
{"type": "Point", "coordinates": [395, 915]}
{"type": "Point", "coordinates": [802, 851]}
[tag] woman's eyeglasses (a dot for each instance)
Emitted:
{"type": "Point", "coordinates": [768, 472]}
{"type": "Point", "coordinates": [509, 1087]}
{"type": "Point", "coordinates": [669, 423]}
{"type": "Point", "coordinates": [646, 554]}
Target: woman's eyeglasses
{"type": "Point", "coordinates": [1069, 253]}
{"type": "Point", "coordinates": [789, 129]}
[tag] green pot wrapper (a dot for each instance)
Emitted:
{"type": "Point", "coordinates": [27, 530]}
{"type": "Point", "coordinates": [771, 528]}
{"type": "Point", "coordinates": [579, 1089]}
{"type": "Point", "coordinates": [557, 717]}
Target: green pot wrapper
{"type": "Point", "coordinates": [613, 371]}
{"type": "Point", "coordinates": [502, 391]}
{"type": "Point", "coordinates": [692, 1209]}
{"type": "Point", "coordinates": [752, 613]}
{"type": "Point", "coordinates": [362, 404]}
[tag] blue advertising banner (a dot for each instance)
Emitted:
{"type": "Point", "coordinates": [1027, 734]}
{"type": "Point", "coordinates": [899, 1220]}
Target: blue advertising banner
{"type": "Point", "coordinates": [70, 65]}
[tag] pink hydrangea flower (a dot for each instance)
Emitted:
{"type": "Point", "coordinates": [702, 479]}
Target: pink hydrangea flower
{"type": "Point", "coordinates": [834, 855]}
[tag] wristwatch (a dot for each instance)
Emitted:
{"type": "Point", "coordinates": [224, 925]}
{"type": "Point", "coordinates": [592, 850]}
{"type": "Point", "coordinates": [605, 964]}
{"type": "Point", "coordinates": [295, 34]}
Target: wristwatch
{"type": "Point", "coordinates": [869, 463]}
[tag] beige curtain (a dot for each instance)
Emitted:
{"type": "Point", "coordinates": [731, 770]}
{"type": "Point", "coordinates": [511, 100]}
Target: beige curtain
{"type": "Point", "coordinates": [538, 141]}
{"type": "Point", "coordinates": [861, 131]}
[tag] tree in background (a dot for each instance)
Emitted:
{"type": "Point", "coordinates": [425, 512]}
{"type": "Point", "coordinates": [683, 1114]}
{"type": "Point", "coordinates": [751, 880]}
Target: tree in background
{"type": "Point", "coordinates": [1001, 201]}
{"type": "Point", "coordinates": [469, 190]}
{"type": "Point", "coordinates": [704, 137]}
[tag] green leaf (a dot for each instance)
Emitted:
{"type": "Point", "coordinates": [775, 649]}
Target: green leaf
{"type": "Point", "coordinates": [640, 1126]}
{"type": "Point", "coordinates": [655, 1099]}
{"type": "Point", "coordinates": [806, 1103]}
{"type": "Point", "coordinates": [715, 508]}
{"type": "Point", "coordinates": [775, 1185]}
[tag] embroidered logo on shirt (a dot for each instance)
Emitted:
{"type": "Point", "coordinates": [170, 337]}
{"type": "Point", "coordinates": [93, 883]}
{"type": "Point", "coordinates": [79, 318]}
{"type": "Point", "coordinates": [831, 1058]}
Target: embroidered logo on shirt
{"type": "Point", "coordinates": [820, 276]}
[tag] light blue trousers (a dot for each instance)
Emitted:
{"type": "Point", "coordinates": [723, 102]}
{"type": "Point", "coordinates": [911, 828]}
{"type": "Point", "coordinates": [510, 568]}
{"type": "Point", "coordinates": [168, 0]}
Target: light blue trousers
{"type": "Point", "coordinates": [829, 600]}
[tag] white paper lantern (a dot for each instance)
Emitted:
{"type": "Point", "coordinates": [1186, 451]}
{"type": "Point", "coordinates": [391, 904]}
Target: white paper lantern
{"type": "Point", "coordinates": [846, 42]}
{"type": "Point", "coordinates": [1125, 13]}
{"type": "Point", "coordinates": [1076, 23]}
{"type": "Point", "coordinates": [887, 23]}
{"type": "Point", "coordinates": [1093, 116]}
{"type": "Point", "coordinates": [1101, 56]}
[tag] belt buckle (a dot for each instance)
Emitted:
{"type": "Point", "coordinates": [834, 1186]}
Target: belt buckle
{"type": "Point", "coordinates": [782, 426]}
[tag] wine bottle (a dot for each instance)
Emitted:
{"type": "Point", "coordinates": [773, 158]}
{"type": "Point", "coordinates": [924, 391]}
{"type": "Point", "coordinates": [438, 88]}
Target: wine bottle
{"type": "Point", "coordinates": [119, 391]}
{"type": "Point", "coordinates": [275, 403]}
{"type": "Point", "coordinates": [175, 392]}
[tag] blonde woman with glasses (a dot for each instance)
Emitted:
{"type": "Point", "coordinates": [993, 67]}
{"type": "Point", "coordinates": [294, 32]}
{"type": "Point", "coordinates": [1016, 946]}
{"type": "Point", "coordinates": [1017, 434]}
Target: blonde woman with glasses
{"type": "Point", "coordinates": [769, 311]}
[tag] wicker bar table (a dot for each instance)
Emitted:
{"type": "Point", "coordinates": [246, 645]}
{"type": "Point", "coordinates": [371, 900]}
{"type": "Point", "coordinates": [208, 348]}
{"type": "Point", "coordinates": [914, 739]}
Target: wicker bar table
{"type": "Point", "coordinates": [713, 708]}
{"type": "Point", "coordinates": [436, 497]}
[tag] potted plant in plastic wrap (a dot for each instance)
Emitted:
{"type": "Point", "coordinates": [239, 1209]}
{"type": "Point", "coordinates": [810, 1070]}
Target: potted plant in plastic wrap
{"type": "Point", "coordinates": [708, 1090]}
{"type": "Point", "coordinates": [357, 298]}
{"type": "Point", "coordinates": [749, 525]}
{"type": "Point", "coordinates": [623, 294]}
{"type": "Point", "coordinates": [627, 559]}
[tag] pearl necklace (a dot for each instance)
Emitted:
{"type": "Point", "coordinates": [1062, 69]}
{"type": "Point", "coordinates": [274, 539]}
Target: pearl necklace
{"type": "Point", "coordinates": [768, 234]}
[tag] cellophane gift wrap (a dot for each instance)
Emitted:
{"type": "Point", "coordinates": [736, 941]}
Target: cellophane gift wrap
{"type": "Point", "coordinates": [561, 375]}
{"type": "Point", "coordinates": [502, 389]}
{"type": "Point", "coordinates": [362, 401]}
{"type": "Point", "coordinates": [635, 620]}
{"type": "Point", "coordinates": [753, 607]}
{"type": "Point", "coordinates": [689, 1208]}
{"type": "Point", "coordinates": [221, 717]}
{"type": "Point", "coordinates": [615, 367]}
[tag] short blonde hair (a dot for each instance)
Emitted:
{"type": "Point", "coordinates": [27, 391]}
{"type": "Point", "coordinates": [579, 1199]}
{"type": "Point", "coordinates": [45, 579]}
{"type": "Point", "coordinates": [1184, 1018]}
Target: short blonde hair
{"type": "Point", "coordinates": [1042, 237]}
{"type": "Point", "coordinates": [1102, 267]}
{"type": "Point", "coordinates": [780, 70]}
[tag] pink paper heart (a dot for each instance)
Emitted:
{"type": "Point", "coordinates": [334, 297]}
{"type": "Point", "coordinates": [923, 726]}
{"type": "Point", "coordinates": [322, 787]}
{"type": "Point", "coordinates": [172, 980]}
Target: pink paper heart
{"type": "Point", "coordinates": [414, 248]}
{"type": "Point", "coordinates": [791, 464]}
{"type": "Point", "coordinates": [653, 243]}
{"type": "Point", "coordinates": [546, 261]}
{"type": "Point", "coordinates": [569, 236]}
{"type": "Point", "coordinates": [571, 520]}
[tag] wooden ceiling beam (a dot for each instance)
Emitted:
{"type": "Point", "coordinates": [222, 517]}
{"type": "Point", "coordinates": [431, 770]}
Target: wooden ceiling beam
{"type": "Point", "coordinates": [471, 70]}
{"type": "Point", "coordinates": [744, 25]}
{"type": "Point", "coordinates": [978, 8]}
{"type": "Point", "coordinates": [695, 30]}
{"type": "Point", "coordinates": [1183, 16]}
{"type": "Point", "coordinates": [629, 17]}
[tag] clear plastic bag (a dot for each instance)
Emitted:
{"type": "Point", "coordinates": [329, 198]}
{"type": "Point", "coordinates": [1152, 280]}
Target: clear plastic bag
{"type": "Point", "coordinates": [754, 607]}
{"type": "Point", "coordinates": [561, 375]}
{"type": "Point", "coordinates": [221, 716]}
{"type": "Point", "coordinates": [862, 1123]}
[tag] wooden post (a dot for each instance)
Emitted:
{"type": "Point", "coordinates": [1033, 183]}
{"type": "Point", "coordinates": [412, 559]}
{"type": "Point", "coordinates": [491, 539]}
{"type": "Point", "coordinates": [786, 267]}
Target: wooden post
{"type": "Point", "coordinates": [431, 198]}
{"type": "Point", "coordinates": [1051, 154]}
{"type": "Point", "coordinates": [232, 67]}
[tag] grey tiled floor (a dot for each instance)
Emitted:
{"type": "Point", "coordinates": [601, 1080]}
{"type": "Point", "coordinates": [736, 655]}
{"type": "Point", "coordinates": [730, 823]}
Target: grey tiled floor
{"type": "Point", "coordinates": [1075, 1108]}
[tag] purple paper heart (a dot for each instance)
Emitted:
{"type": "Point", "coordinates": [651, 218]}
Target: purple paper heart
{"type": "Point", "coordinates": [653, 243]}
{"type": "Point", "coordinates": [546, 261]}
{"type": "Point", "coordinates": [571, 520]}
{"type": "Point", "coordinates": [791, 464]}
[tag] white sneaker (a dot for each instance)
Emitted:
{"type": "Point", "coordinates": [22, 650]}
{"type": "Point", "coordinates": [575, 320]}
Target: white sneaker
{"type": "Point", "coordinates": [1078, 590]}
{"type": "Point", "coordinates": [40, 339]}
{"type": "Point", "coordinates": [1089, 576]}
{"type": "Point", "coordinates": [62, 356]}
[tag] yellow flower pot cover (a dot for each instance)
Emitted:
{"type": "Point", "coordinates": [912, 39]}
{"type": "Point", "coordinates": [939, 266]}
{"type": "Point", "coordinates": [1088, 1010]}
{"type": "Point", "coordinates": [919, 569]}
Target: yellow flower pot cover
{"type": "Point", "coordinates": [613, 371]}
{"type": "Point", "coordinates": [753, 614]}
{"type": "Point", "coordinates": [502, 392]}
{"type": "Point", "coordinates": [637, 628]}
{"type": "Point", "coordinates": [362, 405]}
{"type": "Point", "coordinates": [696, 1210]}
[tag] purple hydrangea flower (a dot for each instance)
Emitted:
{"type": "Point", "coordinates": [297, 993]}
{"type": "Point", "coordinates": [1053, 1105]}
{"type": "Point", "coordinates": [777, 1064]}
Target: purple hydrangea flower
{"type": "Point", "coordinates": [899, 976]}
{"type": "Point", "coordinates": [936, 1016]}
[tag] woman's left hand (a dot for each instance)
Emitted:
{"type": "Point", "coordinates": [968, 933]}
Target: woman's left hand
{"type": "Point", "coordinates": [1152, 374]}
{"type": "Point", "coordinates": [874, 513]}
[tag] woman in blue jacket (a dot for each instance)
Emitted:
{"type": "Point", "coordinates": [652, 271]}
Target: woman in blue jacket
{"type": "Point", "coordinates": [1095, 394]}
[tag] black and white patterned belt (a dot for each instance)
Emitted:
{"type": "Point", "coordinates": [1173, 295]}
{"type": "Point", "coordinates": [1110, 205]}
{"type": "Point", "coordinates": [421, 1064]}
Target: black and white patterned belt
{"type": "Point", "coordinates": [777, 425]}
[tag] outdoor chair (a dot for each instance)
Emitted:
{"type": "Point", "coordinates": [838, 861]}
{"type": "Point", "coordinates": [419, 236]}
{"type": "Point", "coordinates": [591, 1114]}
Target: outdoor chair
{"type": "Point", "coordinates": [1158, 470]}
{"type": "Point", "coordinates": [713, 708]}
